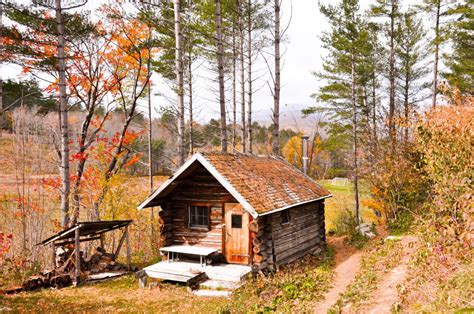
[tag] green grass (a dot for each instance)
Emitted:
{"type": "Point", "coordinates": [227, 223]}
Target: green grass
{"type": "Point", "coordinates": [343, 198]}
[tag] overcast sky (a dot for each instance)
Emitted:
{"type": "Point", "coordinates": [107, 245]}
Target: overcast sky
{"type": "Point", "coordinates": [303, 56]}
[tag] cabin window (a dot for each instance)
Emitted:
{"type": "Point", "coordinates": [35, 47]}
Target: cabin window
{"type": "Point", "coordinates": [285, 216]}
{"type": "Point", "coordinates": [237, 221]}
{"type": "Point", "coordinates": [199, 216]}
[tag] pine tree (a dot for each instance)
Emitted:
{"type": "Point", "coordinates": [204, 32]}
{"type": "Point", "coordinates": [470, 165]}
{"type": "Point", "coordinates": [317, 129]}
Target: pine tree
{"type": "Point", "coordinates": [438, 9]}
{"type": "Point", "coordinates": [411, 54]}
{"type": "Point", "coordinates": [461, 61]}
{"type": "Point", "coordinates": [390, 9]}
{"type": "Point", "coordinates": [341, 93]}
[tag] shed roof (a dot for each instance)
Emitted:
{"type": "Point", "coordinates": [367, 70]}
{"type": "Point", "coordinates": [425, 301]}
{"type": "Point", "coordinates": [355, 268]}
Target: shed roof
{"type": "Point", "coordinates": [261, 184]}
{"type": "Point", "coordinates": [87, 229]}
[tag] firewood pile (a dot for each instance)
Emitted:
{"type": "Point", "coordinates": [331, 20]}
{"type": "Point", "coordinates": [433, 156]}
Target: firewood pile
{"type": "Point", "coordinates": [63, 274]}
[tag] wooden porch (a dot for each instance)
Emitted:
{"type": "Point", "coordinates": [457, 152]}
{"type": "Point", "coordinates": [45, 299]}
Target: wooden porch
{"type": "Point", "coordinates": [196, 273]}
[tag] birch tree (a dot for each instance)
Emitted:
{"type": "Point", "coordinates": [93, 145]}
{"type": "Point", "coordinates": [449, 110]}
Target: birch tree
{"type": "Point", "coordinates": [179, 81]}
{"type": "Point", "coordinates": [220, 69]}
{"type": "Point", "coordinates": [276, 91]}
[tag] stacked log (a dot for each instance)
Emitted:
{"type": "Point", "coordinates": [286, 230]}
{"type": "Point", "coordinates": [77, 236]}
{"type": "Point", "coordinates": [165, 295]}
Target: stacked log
{"type": "Point", "coordinates": [166, 227]}
{"type": "Point", "coordinates": [262, 248]}
{"type": "Point", "coordinates": [62, 275]}
{"type": "Point", "coordinates": [322, 223]}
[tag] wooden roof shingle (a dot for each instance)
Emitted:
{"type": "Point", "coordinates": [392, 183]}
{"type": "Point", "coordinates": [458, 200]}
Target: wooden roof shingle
{"type": "Point", "coordinates": [262, 184]}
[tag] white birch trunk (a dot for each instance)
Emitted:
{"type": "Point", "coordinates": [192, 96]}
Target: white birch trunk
{"type": "Point", "coordinates": [436, 56]}
{"type": "Point", "coordinates": [276, 91]}
{"type": "Point", "coordinates": [249, 77]}
{"type": "Point", "coordinates": [242, 76]}
{"type": "Point", "coordinates": [179, 80]}
{"type": "Point", "coordinates": [63, 119]}
{"type": "Point", "coordinates": [220, 67]}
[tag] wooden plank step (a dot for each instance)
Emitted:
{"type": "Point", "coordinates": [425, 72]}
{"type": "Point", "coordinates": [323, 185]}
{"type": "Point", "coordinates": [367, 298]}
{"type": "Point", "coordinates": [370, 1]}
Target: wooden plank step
{"type": "Point", "coordinates": [219, 285]}
{"type": "Point", "coordinates": [193, 280]}
{"type": "Point", "coordinates": [212, 293]}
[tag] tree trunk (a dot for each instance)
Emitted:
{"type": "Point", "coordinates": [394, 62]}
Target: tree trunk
{"type": "Point", "coordinates": [276, 92]}
{"type": "Point", "coordinates": [436, 56]}
{"type": "Point", "coordinates": [249, 77]}
{"type": "Point", "coordinates": [190, 99]}
{"type": "Point", "coordinates": [234, 87]}
{"type": "Point", "coordinates": [63, 119]}
{"type": "Point", "coordinates": [150, 149]}
{"type": "Point", "coordinates": [354, 131]}
{"type": "Point", "coordinates": [242, 77]}
{"type": "Point", "coordinates": [406, 104]}
{"type": "Point", "coordinates": [374, 112]}
{"type": "Point", "coordinates": [1, 74]}
{"type": "Point", "coordinates": [391, 112]}
{"type": "Point", "coordinates": [220, 67]}
{"type": "Point", "coordinates": [179, 80]}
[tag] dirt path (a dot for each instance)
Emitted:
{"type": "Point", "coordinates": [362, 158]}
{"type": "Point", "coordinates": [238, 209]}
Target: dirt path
{"type": "Point", "coordinates": [386, 294]}
{"type": "Point", "coordinates": [347, 265]}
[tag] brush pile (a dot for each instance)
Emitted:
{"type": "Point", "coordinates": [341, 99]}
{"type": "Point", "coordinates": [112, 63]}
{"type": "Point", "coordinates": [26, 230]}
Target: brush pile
{"type": "Point", "coordinates": [63, 274]}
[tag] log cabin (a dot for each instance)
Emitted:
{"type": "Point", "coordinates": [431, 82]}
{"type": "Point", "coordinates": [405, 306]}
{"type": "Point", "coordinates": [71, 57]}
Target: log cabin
{"type": "Point", "coordinates": [259, 211]}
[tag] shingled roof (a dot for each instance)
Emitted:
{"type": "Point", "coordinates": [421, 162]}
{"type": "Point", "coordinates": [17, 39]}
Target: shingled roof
{"type": "Point", "coordinates": [262, 184]}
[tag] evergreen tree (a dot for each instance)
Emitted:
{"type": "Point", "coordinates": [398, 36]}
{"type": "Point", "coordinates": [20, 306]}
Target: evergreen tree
{"type": "Point", "coordinates": [344, 43]}
{"type": "Point", "coordinates": [389, 10]}
{"type": "Point", "coordinates": [411, 53]}
{"type": "Point", "coordinates": [461, 61]}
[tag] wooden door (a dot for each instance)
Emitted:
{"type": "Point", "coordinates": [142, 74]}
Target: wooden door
{"type": "Point", "coordinates": [236, 234]}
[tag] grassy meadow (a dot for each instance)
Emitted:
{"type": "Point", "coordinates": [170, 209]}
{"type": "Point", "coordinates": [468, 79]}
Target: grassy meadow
{"type": "Point", "coordinates": [343, 200]}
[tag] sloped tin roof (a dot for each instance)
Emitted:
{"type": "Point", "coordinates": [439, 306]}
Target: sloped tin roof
{"type": "Point", "coordinates": [262, 184]}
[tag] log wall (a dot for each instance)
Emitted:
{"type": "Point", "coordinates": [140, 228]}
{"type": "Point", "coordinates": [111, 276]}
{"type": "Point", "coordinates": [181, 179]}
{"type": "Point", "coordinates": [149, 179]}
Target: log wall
{"type": "Point", "coordinates": [304, 234]}
{"type": "Point", "coordinates": [201, 189]}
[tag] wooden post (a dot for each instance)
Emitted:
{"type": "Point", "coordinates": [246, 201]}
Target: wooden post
{"type": "Point", "coordinates": [127, 240]}
{"type": "Point", "coordinates": [78, 257]}
{"type": "Point", "coordinates": [122, 238]}
{"type": "Point", "coordinates": [53, 255]}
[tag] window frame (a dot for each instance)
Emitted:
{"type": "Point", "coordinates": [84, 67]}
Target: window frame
{"type": "Point", "coordinates": [190, 220]}
{"type": "Point", "coordinates": [285, 212]}
{"type": "Point", "coordinates": [240, 222]}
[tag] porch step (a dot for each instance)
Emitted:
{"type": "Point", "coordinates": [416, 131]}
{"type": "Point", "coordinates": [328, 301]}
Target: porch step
{"type": "Point", "coordinates": [212, 293]}
{"type": "Point", "coordinates": [227, 272]}
{"type": "Point", "coordinates": [219, 285]}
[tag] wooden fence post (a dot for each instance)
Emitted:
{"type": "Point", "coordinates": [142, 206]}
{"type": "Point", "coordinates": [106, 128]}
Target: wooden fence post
{"type": "Point", "coordinates": [78, 257]}
{"type": "Point", "coordinates": [53, 256]}
{"type": "Point", "coordinates": [127, 240]}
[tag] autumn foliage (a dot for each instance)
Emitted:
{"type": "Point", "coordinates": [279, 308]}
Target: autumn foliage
{"type": "Point", "coordinates": [445, 139]}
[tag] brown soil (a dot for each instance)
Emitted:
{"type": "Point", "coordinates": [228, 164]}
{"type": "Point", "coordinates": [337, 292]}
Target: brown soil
{"type": "Point", "coordinates": [386, 294]}
{"type": "Point", "coordinates": [347, 265]}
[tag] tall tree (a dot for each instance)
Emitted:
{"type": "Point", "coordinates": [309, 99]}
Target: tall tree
{"type": "Point", "coordinates": [436, 8]}
{"type": "Point", "coordinates": [411, 54]}
{"type": "Point", "coordinates": [234, 85]}
{"type": "Point", "coordinates": [276, 91]}
{"type": "Point", "coordinates": [220, 69]}
{"type": "Point", "coordinates": [63, 118]}
{"type": "Point", "coordinates": [52, 33]}
{"type": "Point", "coordinates": [1, 74]}
{"type": "Point", "coordinates": [249, 76]}
{"type": "Point", "coordinates": [179, 80]}
{"type": "Point", "coordinates": [340, 95]}
{"type": "Point", "coordinates": [460, 62]}
{"type": "Point", "coordinates": [242, 74]}
{"type": "Point", "coordinates": [390, 9]}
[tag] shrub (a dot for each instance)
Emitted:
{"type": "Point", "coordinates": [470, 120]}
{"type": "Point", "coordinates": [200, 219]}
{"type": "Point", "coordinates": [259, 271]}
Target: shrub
{"type": "Point", "coordinates": [345, 225]}
{"type": "Point", "coordinates": [445, 139]}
